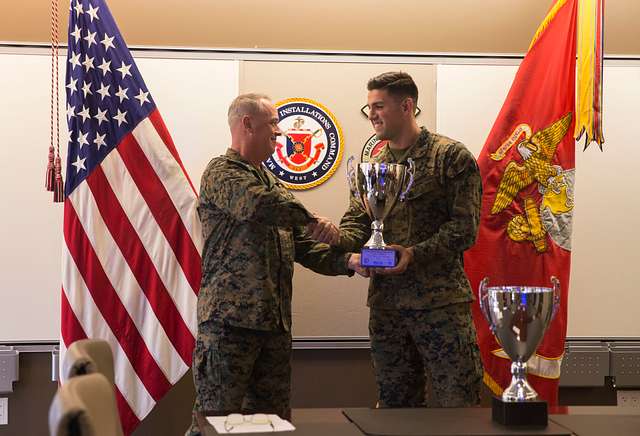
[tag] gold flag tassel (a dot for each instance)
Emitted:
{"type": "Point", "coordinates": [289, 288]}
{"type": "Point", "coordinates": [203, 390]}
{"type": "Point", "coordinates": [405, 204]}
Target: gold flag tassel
{"type": "Point", "coordinates": [553, 11]}
{"type": "Point", "coordinates": [54, 181]}
{"type": "Point", "coordinates": [589, 71]}
{"type": "Point", "coordinates": [50, 177]}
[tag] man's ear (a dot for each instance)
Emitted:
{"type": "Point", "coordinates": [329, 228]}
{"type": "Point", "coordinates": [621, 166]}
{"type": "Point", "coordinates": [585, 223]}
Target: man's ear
{"type": "Point", "coordinates": [246, 123]}
{"type": "Point", "coordinates": [408, 106]}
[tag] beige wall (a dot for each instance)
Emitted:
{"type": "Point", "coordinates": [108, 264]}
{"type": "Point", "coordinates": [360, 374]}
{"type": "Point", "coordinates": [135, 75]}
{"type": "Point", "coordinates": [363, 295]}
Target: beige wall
{"type": "Point", "coordinates": [485, 26]}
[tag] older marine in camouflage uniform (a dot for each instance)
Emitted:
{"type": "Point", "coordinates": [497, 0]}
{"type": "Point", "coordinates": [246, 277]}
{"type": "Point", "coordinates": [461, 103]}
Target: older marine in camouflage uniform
{"type": "Point", "coordinates": [421, 330]}
{"type": "Point", "coordinates": [254, 230]}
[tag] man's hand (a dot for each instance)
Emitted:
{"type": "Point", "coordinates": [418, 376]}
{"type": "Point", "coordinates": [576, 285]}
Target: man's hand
{"type": "Point", "coordinates": [354, 264]}
{"type": "Point", "coordinates": [406, 257]}
{"type": "Point", "coordinates": [323, 230]}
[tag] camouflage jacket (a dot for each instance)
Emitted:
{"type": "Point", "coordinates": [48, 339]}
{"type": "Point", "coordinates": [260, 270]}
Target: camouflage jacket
{"type": "Point", "coordinates": [439, 219]}
{"type": "Point", "coordinates": [253, 230]}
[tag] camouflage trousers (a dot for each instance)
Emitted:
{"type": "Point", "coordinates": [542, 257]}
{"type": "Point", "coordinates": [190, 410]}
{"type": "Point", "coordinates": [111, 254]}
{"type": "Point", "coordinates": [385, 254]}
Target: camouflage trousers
{"type": "Point", "coordinates": [241, 370]}
{"type": "Point", "coordinates": [426, 351]}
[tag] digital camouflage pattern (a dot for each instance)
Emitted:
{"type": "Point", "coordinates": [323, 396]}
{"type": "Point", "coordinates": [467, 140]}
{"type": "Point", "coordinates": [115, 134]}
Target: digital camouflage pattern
{"type": "Point", "coordinates": [439, 219]}
{"type": "Point", "coordinates": [254, 230]}
{"type": "Point", "coordinates": [242, 371]}
{"type": "Point", "coordinates": [420, 321]}
{"type": "Point", "coordinates": [452, 371]}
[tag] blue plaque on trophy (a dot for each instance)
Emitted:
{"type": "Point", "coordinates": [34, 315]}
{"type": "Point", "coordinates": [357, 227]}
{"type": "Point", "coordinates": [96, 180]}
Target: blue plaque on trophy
{"type": "Point", "coordinates": [378, 258]}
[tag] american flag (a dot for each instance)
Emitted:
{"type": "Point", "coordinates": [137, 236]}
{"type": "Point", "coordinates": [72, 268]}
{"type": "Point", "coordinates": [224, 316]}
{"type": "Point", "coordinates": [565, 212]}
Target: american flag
{"type": "Point", "coordinates": [131, 257]}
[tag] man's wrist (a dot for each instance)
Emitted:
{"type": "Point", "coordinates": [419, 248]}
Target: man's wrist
{"type": "Point", "coordinates": [347, 259]}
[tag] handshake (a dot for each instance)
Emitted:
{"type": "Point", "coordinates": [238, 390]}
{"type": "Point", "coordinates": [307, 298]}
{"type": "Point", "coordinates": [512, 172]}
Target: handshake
{"type": "Point", "coordinates": [323, 230]}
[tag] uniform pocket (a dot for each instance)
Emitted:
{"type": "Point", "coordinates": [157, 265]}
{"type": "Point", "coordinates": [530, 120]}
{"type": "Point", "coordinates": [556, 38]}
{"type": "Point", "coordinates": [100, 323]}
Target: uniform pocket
{"type": "Point", "coordinates": [468, 342]}
{"type": "Point", "coordinates": [206, 371]}
{"type": "Point", "coordinates": [287, 249]}
{"type": "Point", "coordinates": [421, 187]}
{"type": "Point", "coordinates": [425, 210]}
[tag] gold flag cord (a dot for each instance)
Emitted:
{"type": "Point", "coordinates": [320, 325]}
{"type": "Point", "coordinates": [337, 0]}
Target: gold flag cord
{"type": "Point", "coordinates": [589, 72]}
{"type": "Point", "coordinates": [54, 180]}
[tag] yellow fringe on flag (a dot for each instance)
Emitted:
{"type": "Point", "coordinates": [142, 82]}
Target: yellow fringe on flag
{"type": "Point", "coordinates": [589, 70]}
{"type": "Point", "coordinates": [492, 384]}
{"type": "Point", "coordinates": [550, 16]}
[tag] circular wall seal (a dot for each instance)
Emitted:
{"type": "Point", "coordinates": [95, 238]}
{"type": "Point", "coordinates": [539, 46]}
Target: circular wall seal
{"type": "Point", "coordinates": [372, 148]}
{"type": "Point", "coordinates": [310, 148]}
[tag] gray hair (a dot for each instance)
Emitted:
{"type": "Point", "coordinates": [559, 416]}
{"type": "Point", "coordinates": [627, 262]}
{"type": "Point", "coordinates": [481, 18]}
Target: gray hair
{"type": "Point", "coordinates": [246, 104]}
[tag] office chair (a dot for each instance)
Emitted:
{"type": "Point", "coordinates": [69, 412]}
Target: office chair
{"type": "Point", "coordinates": [85, 405]}
{"type": "Point", "coordinates": [88, 356]}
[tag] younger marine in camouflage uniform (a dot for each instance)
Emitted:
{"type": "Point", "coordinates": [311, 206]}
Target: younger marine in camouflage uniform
{"type": "Point", "coordinates": [254, 230]}
{"type": "Point", "coordinates": [420, 323]}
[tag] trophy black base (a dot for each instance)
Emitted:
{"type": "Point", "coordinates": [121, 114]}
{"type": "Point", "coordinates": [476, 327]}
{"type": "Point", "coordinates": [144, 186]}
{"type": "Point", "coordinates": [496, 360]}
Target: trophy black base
{"type": "Point", "coordinates": [531, 413]}
{"type": "Point", "coordinates": [378, 258]}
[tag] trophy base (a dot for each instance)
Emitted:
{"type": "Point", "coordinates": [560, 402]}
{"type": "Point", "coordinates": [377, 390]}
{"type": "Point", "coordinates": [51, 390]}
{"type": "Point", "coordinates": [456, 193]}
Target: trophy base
{"type": "Point", "coordinates": [533, 413]}
{"type": "Point", "coordinates": [378, 258]}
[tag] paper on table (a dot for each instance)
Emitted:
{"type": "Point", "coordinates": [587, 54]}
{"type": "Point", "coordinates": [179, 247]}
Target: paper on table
{"type": "Point", "coordinates": [277, 424]}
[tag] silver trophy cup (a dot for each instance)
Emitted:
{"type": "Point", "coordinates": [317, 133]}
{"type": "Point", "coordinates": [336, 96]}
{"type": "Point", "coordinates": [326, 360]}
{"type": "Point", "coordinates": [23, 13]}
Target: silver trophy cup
{"type": "Point", "coordinates": [518, 316]}
{"type": "Point", "coordinates": [379, 186]}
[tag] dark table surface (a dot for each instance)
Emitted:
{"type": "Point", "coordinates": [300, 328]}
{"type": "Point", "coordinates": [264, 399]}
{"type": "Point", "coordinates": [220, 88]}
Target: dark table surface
{"type": "Point", "coordinates": [575, 420]}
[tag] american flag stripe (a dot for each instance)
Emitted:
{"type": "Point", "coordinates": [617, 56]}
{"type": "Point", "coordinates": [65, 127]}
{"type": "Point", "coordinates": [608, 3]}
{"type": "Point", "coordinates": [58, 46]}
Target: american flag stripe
{"type": "Point", "coordinates": [132, 274]}
{"type": "Point", "coordinates": [162, 208]}
{"type": "Point", "coordinates": [173, 177]}
{"type": "Point", "coordinates": [109, 305]}
{"type": "Point", "coordinates": [141, 269]}
{"type": "Point", "coordinates": [126, 378]}
{"type": "Point", "coordinates": [172, 278]}
{"type": "Point", "coordinates": [127, 415]}
{"type": "Point", "coordinates": [133, 239]}
{"type": "Point", "coordinates": [72, 332]}
{"type": "Point", "coordinates": [161, 129]}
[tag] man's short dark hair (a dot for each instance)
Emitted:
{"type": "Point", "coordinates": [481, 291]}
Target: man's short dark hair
{"type": "Point", "coordinates": [396, 83]}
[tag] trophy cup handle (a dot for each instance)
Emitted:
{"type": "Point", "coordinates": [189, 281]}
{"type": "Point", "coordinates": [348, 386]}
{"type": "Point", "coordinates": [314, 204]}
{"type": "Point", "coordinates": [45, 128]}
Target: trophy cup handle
{"type": "Point", "coordinates": [351, 176]}
{"type": "Point", "coordinates": [482, 300]}
{"type": "Point", "coordinates": [556, 295]}
{"type": "Point", "coordinates": [411, 171]}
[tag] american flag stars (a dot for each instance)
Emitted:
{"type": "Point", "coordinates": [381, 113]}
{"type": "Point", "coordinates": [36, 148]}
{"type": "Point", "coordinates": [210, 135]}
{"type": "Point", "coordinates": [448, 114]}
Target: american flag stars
{"type": "Point", "coordinates": [90, 38]}
{"type": "Point", "coordinates": [124, 70]}
{"type": "Point", "coordinates": [76, 34]}
{"type": "Point", "coordinates": [74, 60]}
{"type": "Point", "coordinates": [107, 42]}
{"type": "Point", "coordinates": [105, 93]}
{"type": "Point", "coordinates": [104, 90]}
{"type": "Point", "coordinates": [79, 164]}
{"type": "Point", "coordinates": [93, 13]}
{"type": "Point", "coordinates": [105, 66]}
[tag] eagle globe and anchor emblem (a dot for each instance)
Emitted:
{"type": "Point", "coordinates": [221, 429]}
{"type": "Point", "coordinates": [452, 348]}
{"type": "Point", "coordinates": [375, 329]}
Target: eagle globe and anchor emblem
{"type": "Point", "coordinates": [551, 212]}
{"type": "Point", "coordinates": [311, 146]}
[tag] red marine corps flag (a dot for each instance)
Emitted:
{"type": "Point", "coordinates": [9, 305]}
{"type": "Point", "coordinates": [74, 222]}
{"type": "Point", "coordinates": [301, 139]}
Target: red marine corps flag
{"type": "Point", "coordinates": [528, 166]}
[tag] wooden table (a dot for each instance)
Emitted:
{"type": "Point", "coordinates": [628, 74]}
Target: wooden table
{"type": "Point", "coordinates": [580, 420]}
